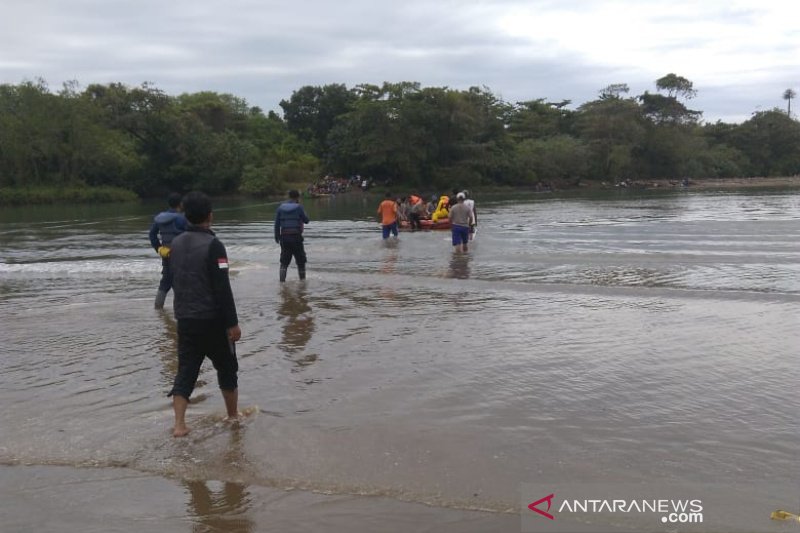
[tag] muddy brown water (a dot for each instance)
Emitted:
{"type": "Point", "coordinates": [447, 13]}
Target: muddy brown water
{"type": "Point", "coordinates": [618, 339]}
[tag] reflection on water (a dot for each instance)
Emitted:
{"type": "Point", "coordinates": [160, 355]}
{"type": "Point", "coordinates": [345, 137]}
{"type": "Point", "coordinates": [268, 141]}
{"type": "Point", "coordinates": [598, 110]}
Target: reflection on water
{"type": "Point", "coordinates": [459, 265]}
{"type": "Point", "coordinates": [222, 506]}
{"type": "Point", "coordinates": [390, 255]}
{"type": "Point", "coordinates": [219, 509]}
{"type": "Point", "coordinates": [297, 323]}
{"type": "Point", "coordinates": [167, 346]}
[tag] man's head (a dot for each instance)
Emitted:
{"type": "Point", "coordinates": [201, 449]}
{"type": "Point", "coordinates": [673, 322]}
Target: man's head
{"type": "Point", "coordinates": [174, 200]}
{"type": "Point", "coordinates": [197, 207]}
{"type": "Point", "coordinates": [294, 195]}
{"type": "Point", "coordinates": [460, 197]}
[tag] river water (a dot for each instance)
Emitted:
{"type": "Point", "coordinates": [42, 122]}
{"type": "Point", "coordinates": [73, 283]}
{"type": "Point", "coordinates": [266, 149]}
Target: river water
{"type": "Point", "coordinates": [622, 340]}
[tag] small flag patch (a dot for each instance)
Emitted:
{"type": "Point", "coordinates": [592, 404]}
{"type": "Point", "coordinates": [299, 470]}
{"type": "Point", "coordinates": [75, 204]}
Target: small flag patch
{"type": "Point", "coordinates": [222, 262]}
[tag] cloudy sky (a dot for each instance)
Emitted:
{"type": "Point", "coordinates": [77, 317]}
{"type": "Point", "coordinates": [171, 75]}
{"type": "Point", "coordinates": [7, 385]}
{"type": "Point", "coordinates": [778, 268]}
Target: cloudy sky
{"type": "Point", "coordinates": [740, 55]}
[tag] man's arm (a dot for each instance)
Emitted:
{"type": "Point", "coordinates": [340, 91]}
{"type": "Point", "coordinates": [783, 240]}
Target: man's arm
{"type": "Point", "coordinates": [218, 265]}
{"type": "Point", "coordinates": [303, 216]}
{"type": "Point", "coordinates": [181, 223]}
{"type": "Point", "coordinates": [154, 242]}
{"type": "Point", "coordinates": [278, 226]}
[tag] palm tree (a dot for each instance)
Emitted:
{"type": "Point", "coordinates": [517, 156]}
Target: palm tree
{"type": "Point", "coordinates": [788, 94]}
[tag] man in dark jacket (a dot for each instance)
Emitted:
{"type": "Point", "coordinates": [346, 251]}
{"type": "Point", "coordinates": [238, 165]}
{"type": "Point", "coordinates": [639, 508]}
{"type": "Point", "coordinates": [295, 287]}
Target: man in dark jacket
{"type": "Point", "coordinates": [166, 226]}
{"type": "Point", "coordinates": [289, 221]}
{"type": "Point", "coordinates": [205, 310]}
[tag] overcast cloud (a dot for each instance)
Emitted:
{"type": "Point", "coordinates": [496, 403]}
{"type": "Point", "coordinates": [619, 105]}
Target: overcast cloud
{"type": "Point", "coordinates": [741, 55]}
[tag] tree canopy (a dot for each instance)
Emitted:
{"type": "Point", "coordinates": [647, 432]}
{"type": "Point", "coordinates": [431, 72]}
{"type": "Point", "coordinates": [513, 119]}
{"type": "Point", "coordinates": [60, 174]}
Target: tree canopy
{"type": "Point", "coordinates": [149, 142]}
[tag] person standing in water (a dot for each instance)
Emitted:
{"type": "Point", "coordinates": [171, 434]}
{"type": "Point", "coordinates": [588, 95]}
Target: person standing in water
{"type": "Point", "coordinates": [166, 226]}
{"type": "Point", "coordinates": [470, 203]}
{"type": "Point", "coordinates": [460, 216]}
{"type": "Point", "coordinates": [289, 221]}
{"type": "Point", "coordinates": [208, 325]}
{"type": "Point", "coordinates": [388, 212]}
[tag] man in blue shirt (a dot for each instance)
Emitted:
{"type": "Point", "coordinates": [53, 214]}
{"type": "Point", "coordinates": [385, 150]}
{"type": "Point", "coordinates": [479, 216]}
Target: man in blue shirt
{"type": "Point", "coordinates": [289, 221]}
{"type": "Point", "coordinates": [166, 226]}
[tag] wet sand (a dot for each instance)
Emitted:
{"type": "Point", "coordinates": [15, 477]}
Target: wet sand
{"type": "Point", "coordinates": [66, 499]}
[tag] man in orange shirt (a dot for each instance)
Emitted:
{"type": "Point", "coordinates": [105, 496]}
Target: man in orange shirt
{"type": "Point", "coordinates": [388, 212]}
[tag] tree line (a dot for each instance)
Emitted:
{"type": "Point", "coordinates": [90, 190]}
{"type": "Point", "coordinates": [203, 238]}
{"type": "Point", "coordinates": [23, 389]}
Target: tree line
{"type": "Point", "coordinates": [146, 141]}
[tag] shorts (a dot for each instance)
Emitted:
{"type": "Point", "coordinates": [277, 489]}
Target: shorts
{"type": "Point", "coordinates": [198, 339]}
{"type": "Point", "coordinates": [390, 228]}
{"type": "Point", "coordinates": [460, 234]}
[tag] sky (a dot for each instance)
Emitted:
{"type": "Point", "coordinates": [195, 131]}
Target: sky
{"type": "Point", "coordinates": [741, 56]}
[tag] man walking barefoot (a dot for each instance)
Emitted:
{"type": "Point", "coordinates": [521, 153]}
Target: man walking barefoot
{"type": "Point", "coordinates": [205, 311]}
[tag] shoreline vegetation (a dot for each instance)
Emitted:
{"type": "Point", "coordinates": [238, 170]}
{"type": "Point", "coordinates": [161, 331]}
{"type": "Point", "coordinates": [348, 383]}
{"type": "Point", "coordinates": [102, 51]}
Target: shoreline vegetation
{"type": "Point", "coordinates": [21, 196]}
{"type": "Point", "coordinates": [92, 144]}
{"type": "Point", "coordinates": [94, 195]}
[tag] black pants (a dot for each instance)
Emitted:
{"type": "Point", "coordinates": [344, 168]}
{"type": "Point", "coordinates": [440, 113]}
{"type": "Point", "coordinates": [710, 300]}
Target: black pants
{"type": "Point", "coordinates": [293, 248]}
{"type": "Point", "coordinates": [166, 276]}
{"type": "Point", "coordinates": [198, 339]}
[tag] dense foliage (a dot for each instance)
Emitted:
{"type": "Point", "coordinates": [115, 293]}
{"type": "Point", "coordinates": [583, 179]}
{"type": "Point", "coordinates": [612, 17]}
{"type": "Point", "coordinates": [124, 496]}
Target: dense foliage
{"type": "Point", "coordinates": [143, 140]}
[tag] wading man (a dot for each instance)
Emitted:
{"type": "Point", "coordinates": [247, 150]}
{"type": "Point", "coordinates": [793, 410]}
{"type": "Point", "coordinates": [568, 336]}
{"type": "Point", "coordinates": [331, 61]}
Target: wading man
{"type": "Point", "coordinates": [166, 226]}
{"type": "Point", "coordinates": [289, 221]}
{"type": "Point", "coordinates": [205, 310]}
{"type": "Point", "coordinates": [460, 217]}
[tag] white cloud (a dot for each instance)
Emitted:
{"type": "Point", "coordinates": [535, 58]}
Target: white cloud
{"type": "Point", "coordinates": [740, 55]}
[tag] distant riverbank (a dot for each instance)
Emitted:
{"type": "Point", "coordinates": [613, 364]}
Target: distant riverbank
{"type": "Point", "coordinates": [54, 195]}
{"type": "Point", "coordinates": [782, 182]}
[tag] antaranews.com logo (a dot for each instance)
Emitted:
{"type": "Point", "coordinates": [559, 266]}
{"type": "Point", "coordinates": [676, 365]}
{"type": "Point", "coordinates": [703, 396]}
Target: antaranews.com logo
{"type": "Point", "coordinates": [665, 511]}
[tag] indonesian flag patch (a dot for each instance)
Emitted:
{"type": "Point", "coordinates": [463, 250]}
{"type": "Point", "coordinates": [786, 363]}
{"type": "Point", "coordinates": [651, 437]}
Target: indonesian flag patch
{"type": "Point", "coordinates": [222, 262]}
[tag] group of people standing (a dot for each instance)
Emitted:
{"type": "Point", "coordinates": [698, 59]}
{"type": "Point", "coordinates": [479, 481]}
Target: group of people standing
{"type": "Point", "coordinates": [195, 266]}
{"type": "Point", "coordinates": [459, 209]}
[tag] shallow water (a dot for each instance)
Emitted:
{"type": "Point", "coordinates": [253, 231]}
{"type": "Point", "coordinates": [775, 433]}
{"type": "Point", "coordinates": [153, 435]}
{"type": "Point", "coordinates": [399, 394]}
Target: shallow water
{"type": "Point", "coordinates": [617, 339]}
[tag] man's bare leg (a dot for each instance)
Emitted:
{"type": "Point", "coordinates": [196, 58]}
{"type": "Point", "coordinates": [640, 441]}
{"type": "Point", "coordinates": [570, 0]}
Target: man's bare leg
{"type": "Point", "coordinates": [179, 405]}
{"type": "Point", "coordinates": [231, 398]}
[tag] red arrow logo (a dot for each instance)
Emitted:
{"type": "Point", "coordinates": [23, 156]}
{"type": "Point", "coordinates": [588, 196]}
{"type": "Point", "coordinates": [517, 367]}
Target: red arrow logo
{"type": "Point", "coordinates": [549, 500]}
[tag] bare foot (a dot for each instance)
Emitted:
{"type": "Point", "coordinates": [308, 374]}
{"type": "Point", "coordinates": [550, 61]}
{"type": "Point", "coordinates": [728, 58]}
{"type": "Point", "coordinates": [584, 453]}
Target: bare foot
{"type": "Point", "coordinates": [180, 431]}
{"type": "Point", "coordinates": [233, 419]}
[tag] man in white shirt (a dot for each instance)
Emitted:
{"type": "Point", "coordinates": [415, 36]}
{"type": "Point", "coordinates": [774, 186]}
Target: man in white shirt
{"type": "Point", "coordinates": [473, 220]}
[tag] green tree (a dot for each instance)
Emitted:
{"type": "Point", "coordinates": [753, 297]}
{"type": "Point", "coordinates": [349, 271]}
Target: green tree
{"type": "Point", "coordinates": [771, 142]}
{"type": "Point", "coordinates": [789, 95]}
{"type": "Point", "coordinates": [311, 113]}
{"type": "Point", "coordinates": [613, 129]}
{"type": "Point", "coordinates": [676, 86]}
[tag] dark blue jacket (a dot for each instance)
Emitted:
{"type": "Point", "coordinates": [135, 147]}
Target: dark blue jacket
{"type": "Point", "coordinates": [289, 220]}
{"type": "Point", "coordinates": [169, 224]}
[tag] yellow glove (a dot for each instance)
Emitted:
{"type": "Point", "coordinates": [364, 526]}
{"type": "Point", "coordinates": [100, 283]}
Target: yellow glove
{"type": "Point", "coordinates": [163, 251]}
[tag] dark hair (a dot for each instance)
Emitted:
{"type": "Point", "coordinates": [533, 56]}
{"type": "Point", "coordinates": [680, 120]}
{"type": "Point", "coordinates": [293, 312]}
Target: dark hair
{"type": "Point", "coordinates": [196, 207]}
{"type": "Point", "coordinates": [174, 200]}
{"type": "Point", "coordinates": [294, 195]}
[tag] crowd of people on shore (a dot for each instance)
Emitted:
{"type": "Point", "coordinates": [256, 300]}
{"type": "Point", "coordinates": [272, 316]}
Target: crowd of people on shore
{"type": "Point", "coordinates": [328, 185]}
